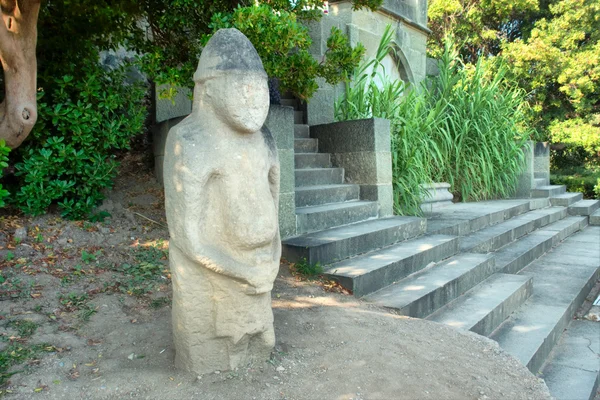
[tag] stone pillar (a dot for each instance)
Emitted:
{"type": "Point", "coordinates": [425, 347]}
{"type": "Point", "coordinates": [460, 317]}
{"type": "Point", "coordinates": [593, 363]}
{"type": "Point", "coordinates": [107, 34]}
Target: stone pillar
{"type": "Point", "coordinates": [541, 161]}
{"type": "Point", "coordinates": [526, 180]}
{"type": "Point", "coordinates": [363, 149]}
{"type": "Point", "coordinates": [280, 123]}
{"type": "Point", "coordinates": [437, 195]}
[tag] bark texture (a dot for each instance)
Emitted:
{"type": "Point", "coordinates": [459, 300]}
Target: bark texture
{"type": "Point", "coordinates": [18, 38]}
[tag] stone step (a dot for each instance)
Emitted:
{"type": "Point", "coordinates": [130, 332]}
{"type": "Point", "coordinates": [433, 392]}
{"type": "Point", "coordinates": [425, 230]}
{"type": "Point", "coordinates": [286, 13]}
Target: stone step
{"type": "Point", "coordinates": [306, 145]}
{"type": "Point", "coordinates": [301, 131]}
{"type": "Point", "coordinates": [464, 218]}
{"type": "Point", "coordinates": [372, 271]}
{"type": "Point", "coordinates": [312, 160]}
{"type": "Point", "coordinates": [536, 204]}
{"type": "Point", "coordinates": [326, 194]}
{"type": "Point", "coordinates": [595, 218]}
{"type": "Point", "coordinates": [298, 117]}
{"type": "Point", "coordinates": [487, 305]}
{"type": "Point", "coordinates": [562, 279]}
{"type": "Point", "coordinates": [584, 207]}
{"type": "Point", "coordinates": [573, 371]}
{"type": "Point", "coordinates": [318, 176]}
{"type": "Point", "coordinates": [316, 218]}
{"type": "Point", "coordinates": [290, 103]}
{"type": "Point", "coordinates": [339, 243]}
{"type": "Point", "coordinates": [426, 291]}
{"type": "Point", "coordinates": [541, 182]}
{"type": "Point", "coordinates": [565, 199]}
{"type": "Point", "coordinates": [516, 256]}
{"type": "Point", "coordinates": [548, 191]}
{"type": "Point", "coordinates": [496, 236]}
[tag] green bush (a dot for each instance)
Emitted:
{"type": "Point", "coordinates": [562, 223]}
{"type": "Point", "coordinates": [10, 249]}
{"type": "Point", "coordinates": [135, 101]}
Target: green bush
{"type": "Point", "coordinates": [578, 179]}
{"type": "Point", "coordinates": [3, 164]}
{"type": "Point", "coordinates": [70, 156]}
{"type": "Point", "coordinates": [465, 127]}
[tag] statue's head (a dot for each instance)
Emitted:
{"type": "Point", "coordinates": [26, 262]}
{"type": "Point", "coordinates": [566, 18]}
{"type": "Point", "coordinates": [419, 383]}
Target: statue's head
{"type": "Point", "coordinates": [231, 80]}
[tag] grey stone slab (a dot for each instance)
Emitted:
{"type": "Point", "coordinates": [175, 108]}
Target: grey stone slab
{"type": "Point", "coordinates": [424, 292]}
{"type": "Point", "coordinates": [383, 194]}
{"type": "Point", "coordinates": [287, 214]}
{"type": "Point", "coordinates": [326, 194]}
{"type": "Point", "coordinates": [301, 131]}
{"type": "Point", "coordinates": [595, 218]}
{"type": "Point", "coordinates": [548, 191]}
{"type": "Point", "coordinates": [365, 167]}
{"type": "Point", "coordinates": [286, 171]}
{"type": "Point", "coordinates": [487, 305]}
{"type": "Point", "coordinates": [312, 160]}
{"type": "Point", "coordinates": [565, 199]}
{"type": "Point", "coordinates": [339, 243]}
{"type": "Point", "coordinates": [316, 218]}
{"type": "Point", "coordinates": [542, 149]}
{"type": "Point", "coordinates": [320, 108]}
{"type": "Point", "coordinates": [306, 145]}
{"type": "Point", "coordinates": [377, 269]}
{"type": "Point", "coordinates": [299, 117]}
{"type": "Point", "coordinates": [319, 176]}
{"type": "Point", "coordinates": [365, 135]}
{"type": "Point", "coordinates": [280, 122]}
{"type": "Point", "coordinates": [535, 204]}
{"type": "Point", "coordinates": [578, 347]}
{"type": "Point", "coordinates": [584, 207]}
{"type": "Point", "coordinates": [166, 109]}
{"type": "Point", "coordinates": [541, 182]}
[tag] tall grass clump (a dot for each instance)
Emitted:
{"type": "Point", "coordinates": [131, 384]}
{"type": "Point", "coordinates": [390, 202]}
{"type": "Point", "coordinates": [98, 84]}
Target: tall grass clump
{"type": "Point", "coordinates": [465, 126]}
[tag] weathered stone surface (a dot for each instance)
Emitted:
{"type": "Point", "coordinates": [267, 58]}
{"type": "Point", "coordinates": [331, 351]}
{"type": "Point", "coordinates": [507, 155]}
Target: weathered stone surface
{"type": "Point", "coordinates": [221, 187]}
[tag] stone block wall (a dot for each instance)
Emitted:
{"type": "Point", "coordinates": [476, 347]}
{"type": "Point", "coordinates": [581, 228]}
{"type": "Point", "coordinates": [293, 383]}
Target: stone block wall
{"type": "Point", "coordinates": [363, 149]}
{"type": "Point", "coordinates": [537, 166]}
{"type": "Point", "coordinates": [407, 17]}
{"type": "Point", "coordinates": [541, 161]}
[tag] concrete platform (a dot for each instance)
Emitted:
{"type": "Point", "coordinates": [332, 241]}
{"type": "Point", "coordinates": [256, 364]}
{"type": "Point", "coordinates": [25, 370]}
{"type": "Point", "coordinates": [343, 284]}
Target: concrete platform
{"type": "Point", "coordinates": [566, 199]}
{"type": "Point", "coordinates": [584, 207]}
{"type": "Point", "coordinates": [316, 218]}
{"type": "Point", "coordinates": [560, 286]}
{"type": "Point", "coordinates": [573, 371]}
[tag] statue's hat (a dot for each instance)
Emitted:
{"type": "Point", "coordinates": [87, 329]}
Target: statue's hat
{"type": "Point", "coordinates": [228, 52]}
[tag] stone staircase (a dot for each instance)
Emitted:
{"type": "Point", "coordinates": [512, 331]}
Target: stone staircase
{"type": "Point", "coordinates": [513, 270]}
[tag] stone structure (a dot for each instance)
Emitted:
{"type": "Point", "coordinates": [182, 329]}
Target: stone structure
{"type": "Point", "coordinates": [363, 149]}
{"type": "Point", "coordinates": [436, 195]}
{"type": "Point", "coordinates": [221, 175]}
{"type": "Point", "coordinates": [407, 17]}
{"type": "Point", "coordinates": [537, 168]}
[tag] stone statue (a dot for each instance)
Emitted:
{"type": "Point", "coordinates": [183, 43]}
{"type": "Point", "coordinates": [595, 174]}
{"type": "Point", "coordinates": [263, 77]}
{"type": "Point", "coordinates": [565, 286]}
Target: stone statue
{"type": "Point", "coordinates": [221, 175]}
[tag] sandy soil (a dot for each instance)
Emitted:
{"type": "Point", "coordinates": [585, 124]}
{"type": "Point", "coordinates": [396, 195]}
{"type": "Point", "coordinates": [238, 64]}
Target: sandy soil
{"type": "Point", "coordinates": [96, 298]}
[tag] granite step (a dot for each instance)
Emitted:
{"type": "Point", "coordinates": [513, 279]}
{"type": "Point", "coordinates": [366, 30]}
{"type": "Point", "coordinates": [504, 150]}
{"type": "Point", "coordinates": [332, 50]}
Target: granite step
{"type": "Point", "coordinates": [584, 207]}
{"type": "Point", "coordinates": [306, 145]}
{"type": "Point", "coordinates": [342, 242]}
{"type": "Point", "coordinates": [301, 131]}
{"type": "Point", "coordinates": [562, 279]}
{"type": "Point", "coordinates": [464, 218]}
{"type": "Point", "coordinates": [298, 117]}
{"type": "Point", "coordinates": [541, 182]}
{"type": "Point", "coordinates": [565, 199]}
{"type": "Point", "coordinates": [487, 305]}
{"type": "Point", "coordinates": [290, 103]}
{"type": "Point", "coordinates": [548, 191]}
{"type": "Point", "coordinates": [326, 194]}
{"type": "Point", "coordinates": [316, 218]}
{"type": "Point", "coordinates": [536, 204]}
{"type": "Point", "coordinates": [573, 368]}
{"type": "Point", "coordinates": [372, 271]}
{"type": "Point", "coordinates": [426, 291]}
{"type": "Point", "coordinates": [312, 160]}
{"type": "Point", "coordinates": [318, 176]}
{"type": "Point", "coordinates": [516, 256]}
{"type": "Point", "coordinates": [595, 218]}
{"type": "Point", "coordinates": [496, 236]}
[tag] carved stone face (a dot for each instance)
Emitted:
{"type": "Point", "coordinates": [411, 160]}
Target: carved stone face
{"type": "Point", "coordinates": [240, 100]}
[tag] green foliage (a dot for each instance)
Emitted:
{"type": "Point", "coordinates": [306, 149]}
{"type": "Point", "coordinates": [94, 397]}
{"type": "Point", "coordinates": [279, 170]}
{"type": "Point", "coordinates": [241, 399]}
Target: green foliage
{"type": "Point", "coordinates": [307, 269]}
{"type": "Point", "coordinates": [17, 353]}
{"type": "Point", "coordinates": [4, 150]}
{"type": "Point", "coordinates": [70, 156]}
{"type": "Point", "coordinates": [465, 127]}
{"type": "Point", "coordinates": [144, 275]}
{"type": "Point", "coordinates": [24, 327]}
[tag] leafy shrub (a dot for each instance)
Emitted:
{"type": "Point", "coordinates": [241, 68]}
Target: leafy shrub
{"type": "Point", "coordinates": [465, 127]}
{"type": "Point", "coordinates": [70, 156]}
{"type": "Point", "coordinates": [578, 179]}
{"type": "Point", "coordinates": [3, 164]}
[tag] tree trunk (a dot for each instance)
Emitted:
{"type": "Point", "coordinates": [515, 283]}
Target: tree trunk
{"type": "Point", "coordinates": [18, 38]}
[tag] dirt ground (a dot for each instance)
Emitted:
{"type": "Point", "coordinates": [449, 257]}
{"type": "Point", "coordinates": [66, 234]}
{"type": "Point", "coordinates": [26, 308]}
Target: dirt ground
{"type": "Point", "coordinates": [84, 314]}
